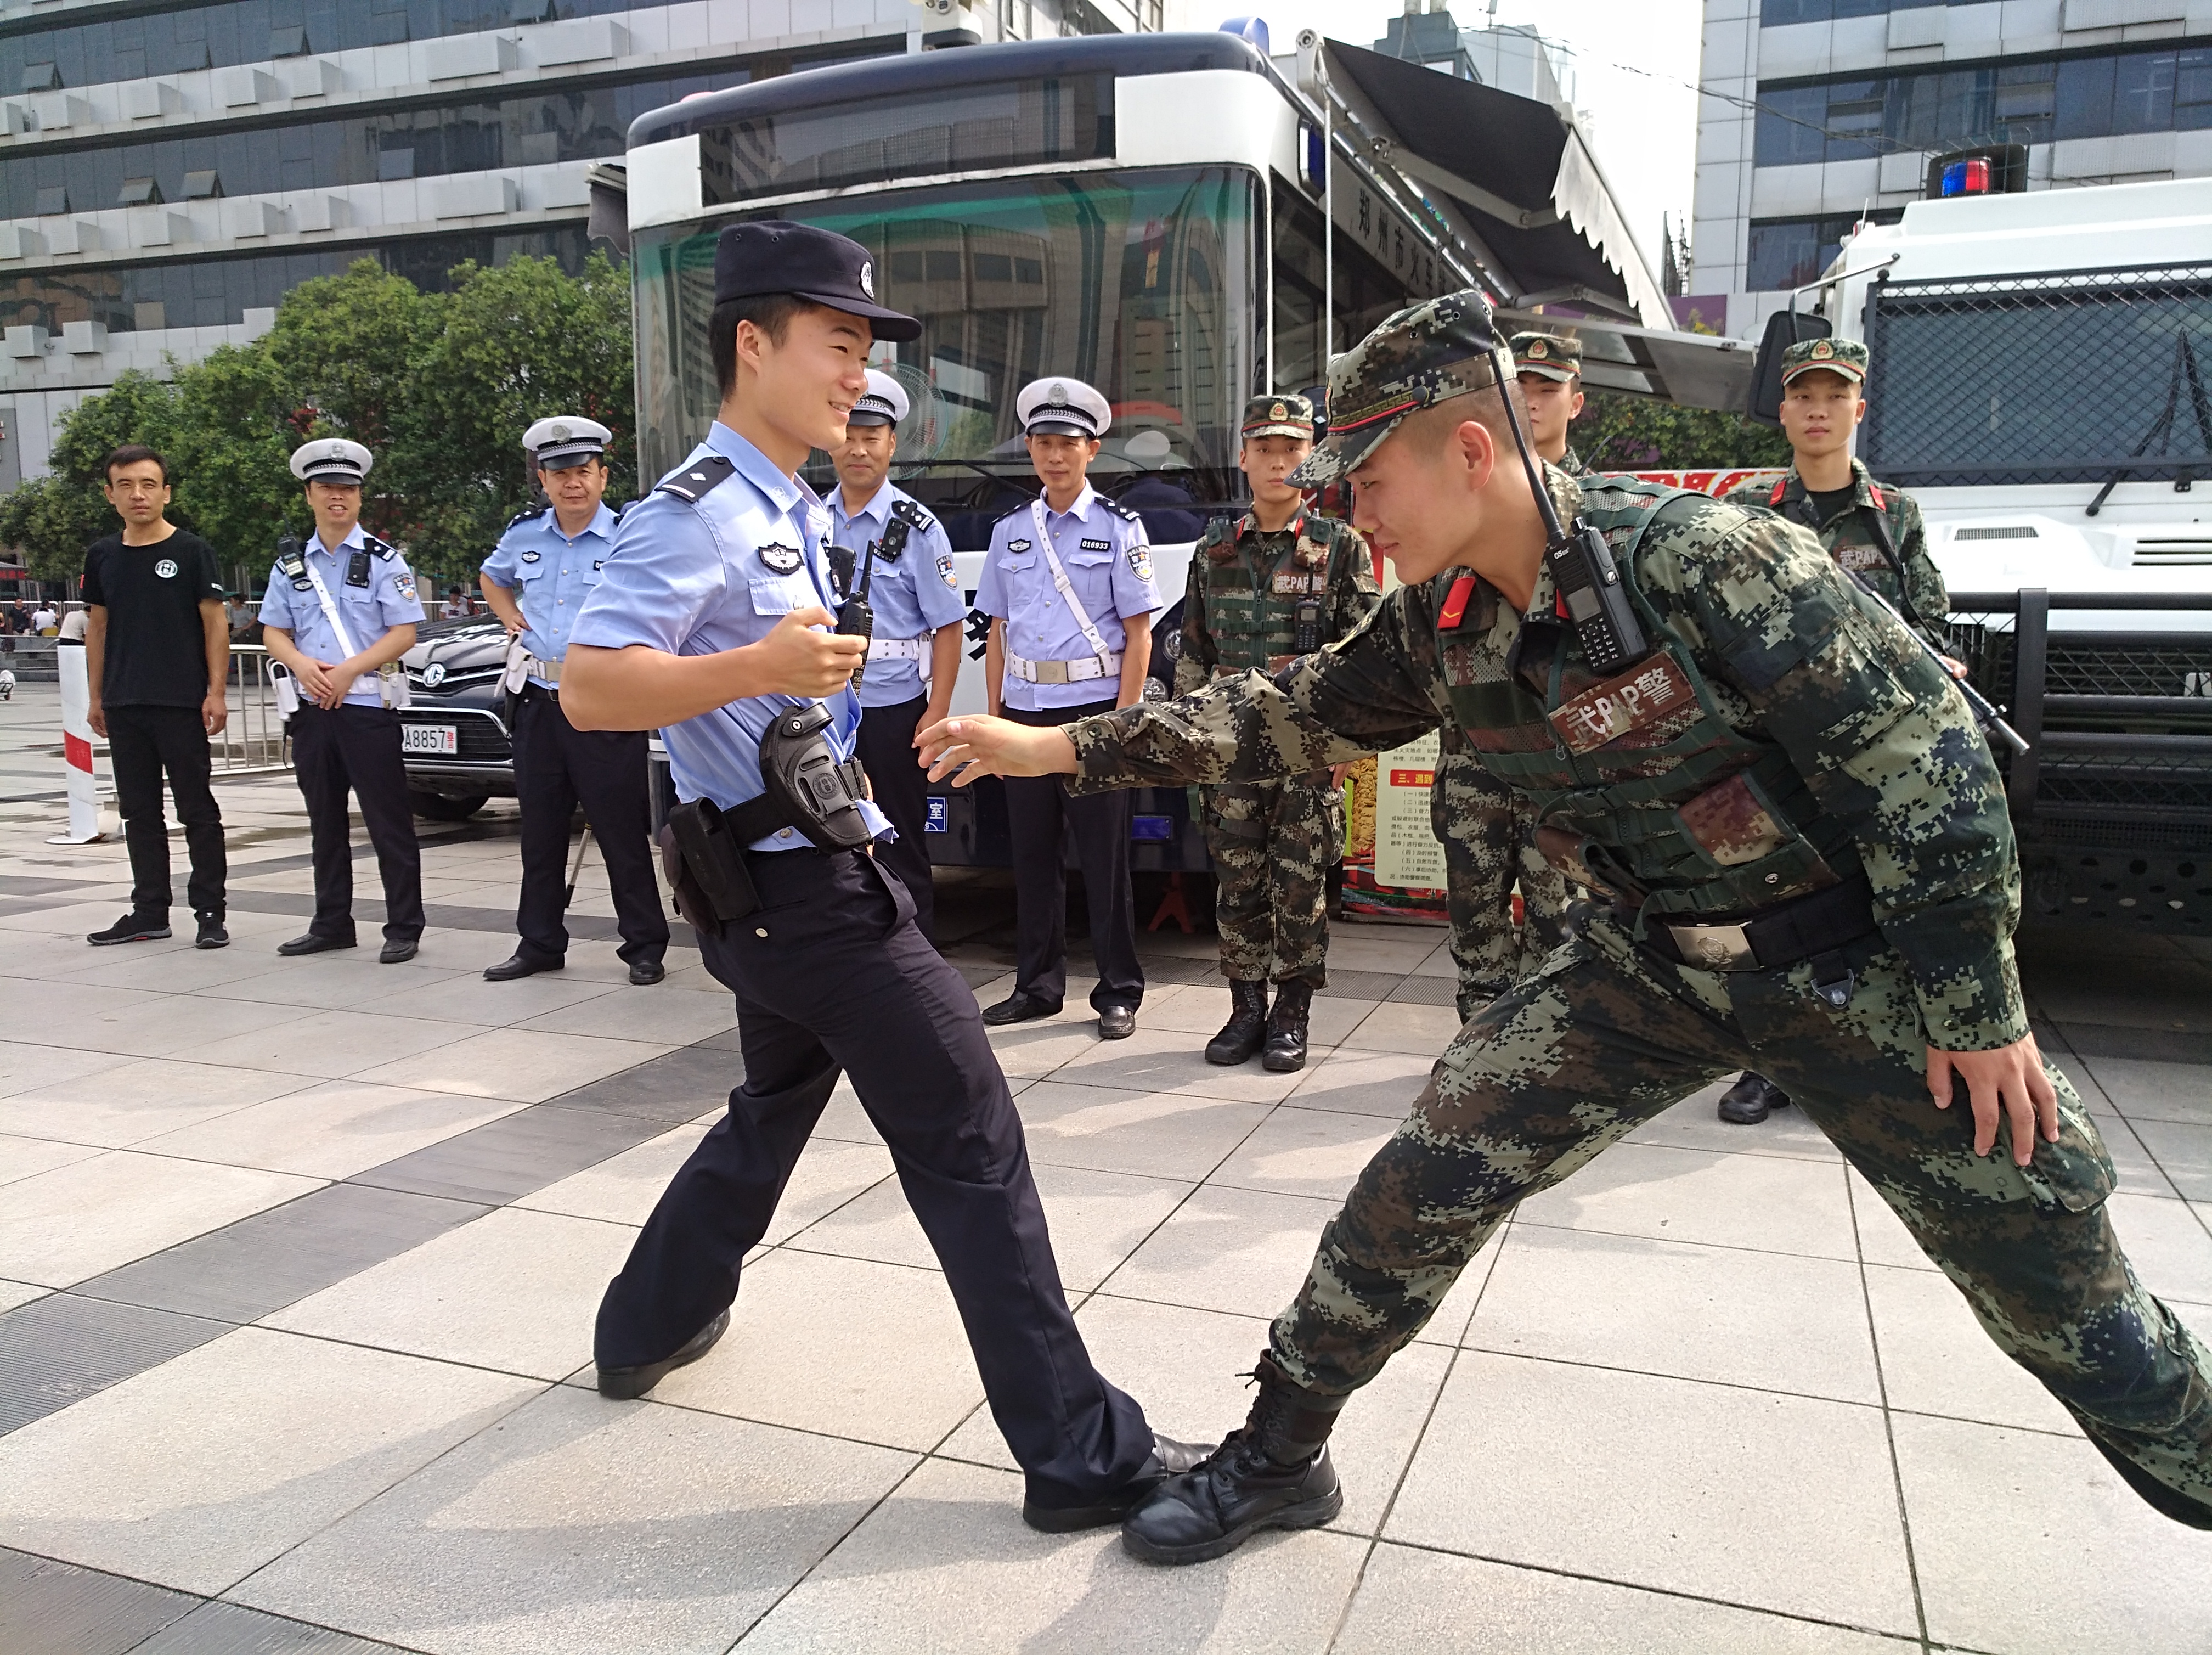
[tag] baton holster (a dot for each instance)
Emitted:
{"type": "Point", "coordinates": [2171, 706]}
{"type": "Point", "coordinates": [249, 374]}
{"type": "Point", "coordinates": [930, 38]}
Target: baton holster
{"type": "Point", "coordinates": [705, 863]}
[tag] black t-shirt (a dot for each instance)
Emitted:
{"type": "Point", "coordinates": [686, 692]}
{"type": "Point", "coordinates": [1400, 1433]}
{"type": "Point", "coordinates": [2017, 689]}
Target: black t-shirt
{"type": "Point", "coordinates": [1827, 503]}
{"type": "Point", "coordinates": [156, 648]}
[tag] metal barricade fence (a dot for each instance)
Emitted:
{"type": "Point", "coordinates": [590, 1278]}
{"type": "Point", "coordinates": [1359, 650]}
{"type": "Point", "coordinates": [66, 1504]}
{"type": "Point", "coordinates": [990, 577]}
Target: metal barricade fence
{"type": "Point", "coordinates": [254, 738]}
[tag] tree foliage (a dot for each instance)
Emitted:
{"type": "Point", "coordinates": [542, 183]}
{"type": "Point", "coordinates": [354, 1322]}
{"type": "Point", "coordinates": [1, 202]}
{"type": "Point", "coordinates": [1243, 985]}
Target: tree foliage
{"type": "Point", "coordinates": [439, 386]}
{"type": "Point", "coordinates": [1637, 434]}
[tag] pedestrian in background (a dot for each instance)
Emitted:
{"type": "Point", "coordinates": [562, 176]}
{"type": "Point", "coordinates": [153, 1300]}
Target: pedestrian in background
{"type": "Point", "coordinates": [157, 654]}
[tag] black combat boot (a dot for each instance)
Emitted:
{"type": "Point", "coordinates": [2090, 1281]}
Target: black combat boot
{"type": "Point", "coordinates": [1275, 1473]}
{"type": "Point", "coordinates": [1247, 1026]}
{"type": "Point", "coordinates": [1751, 1099]}
{"type": "Point", "coordinates": [1286, 1026]}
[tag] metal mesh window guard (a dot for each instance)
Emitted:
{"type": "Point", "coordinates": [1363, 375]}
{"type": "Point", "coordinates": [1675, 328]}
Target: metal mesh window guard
{"type": "Point", "coordinates": [2085, 377]}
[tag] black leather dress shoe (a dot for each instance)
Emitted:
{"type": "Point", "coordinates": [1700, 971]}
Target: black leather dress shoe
{"type": "Point", "coordinates": [1017, 1008]}
{"type": "Point", "coordinates": [398, 952]}
{"type": "Point", "coordinates": [627, 1384]}
{"type": "Point", "coordinates": [1751, 1100]}
{"type": "Point", "coordinates": [1168, 1459]}
{"type": "Point", "coordinates": [644, 973]}
{"type": "Point", "coordinates": [515, 966]}
{"type": "Point", "coordinates": [1216, 1506]}
{"type": "Point", "coordinates": [311, 944]}
{"type": "Point", "coordinates": [1117, 1022]}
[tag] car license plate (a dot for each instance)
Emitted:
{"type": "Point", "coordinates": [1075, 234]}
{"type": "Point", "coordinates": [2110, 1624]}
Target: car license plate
{"type": "Point", "coordinates": [443, 739]}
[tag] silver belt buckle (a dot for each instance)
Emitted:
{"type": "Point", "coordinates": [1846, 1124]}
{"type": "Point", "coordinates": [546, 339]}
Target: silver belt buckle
{"type": "Point", "coordinates": [1714, 948]}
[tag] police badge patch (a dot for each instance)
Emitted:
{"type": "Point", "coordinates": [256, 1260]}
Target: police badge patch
{"type": "Point", "coordinates": [784, 560]}
{"type": "Point", "coordinates": [1140, 560]}
{"type": "Point", "coordinates": [403, 584]}
{"type": "Point", "coordinates": [1017, 545]}
{"type": "Point", "coordinates": [531, 556]}
{"type": "Point", "coordinates": [945, 570]}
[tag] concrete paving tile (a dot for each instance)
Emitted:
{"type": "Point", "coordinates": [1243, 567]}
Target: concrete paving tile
{"type": "Point", "coordinates": [331, 1130]}
{"type": "Point", "coordinates": [170, 967]}
{"type": "Point", "coordinates": [37, 958]}
{"type": "Point", "coordinates": [470, 998]}
{"type": "Point", "coordinates": [622, 1189]}
{"type": "Point", "coordinates": [1304, 1152]}
{"type": "Point", "coordinates": [59, 1348]}
{"type": "Point", "coordinates": [514, 1290]}
{"type": "Point", "coordinates": [1237, 1251]}
{"type": "Point", "coordinates": [25, 1066]}
{"type": "Point", "coordinates": [73, 921]}
{"type": "Point", "coordinates": [1097, 1220]}
{"type": "Point", "coordinates": [2137, 1169]}
{"type": "Point", "coordinates": [789, 1359]}
{"type": "Point", "coordinates": [175, 1025]}
{"type": "Point", "coordinates": [197, 1472]}
{"type": "Point", "coordinates": [1937, 1359]}
{"type": "Point", "coordinates": [1760, 1201]}
{"type": "Point", "coordinates": [2167, 1242]}
{"type": "Point", "coordinates": [245, 1270]}
{"type": "Point", "coordinates": [348, 981]}
{"type": "Point", "coordinates": [513, 1155]}
{"type": "Point", "coordinates": [673, 1016]}
{"type": "Point", "coordinates": [946, 1565]}
{"type": "Point", "coordinates": [677, 1085]}
{"type": "Point", "coordinates": [1401, 952]}
{"type": "Point", "coordinates": [1883, 1238]}
{"type": "Point", "coordinates": [24, 1157]}
{"type": "Point", "coordinates": [1421, 1030]}
{"type": "Point", "coordinates": [57, 1609]}
{"type": "Point", "coordinates": [220, 1628]}
{"type": "Point", "coordinates": [77, 1220]}
{"type": "Point", "coordinates": [1035, 1050]}
{"type": "Point", "coordinates": [1773, 1320]}
{"type": "Point", "coordinates": [1358, 1082]}
{"type": "Point", "coordinates": [1200, 1008]}
{"type": "Point", "coordinates": [13, 1293]}
{"type": "Point", "coordinates": [2144, 1091]}
{"type": "Point", "coordinates": [842, 1119]}
{"type": "Point", "coordinates": [2184, 1152]}
{"type": "Point", "coordinates": [329, 1045]}
{"type": "Point", "coordinates": [510, 1063]}
{"type": "Point", "coordinates": [1130, 1130]}
{"type": "Point", "coordinates": [1693, 1124]}
{"type": "Point", "coordinates": [1448, 1605]}
{"type": "Point", "coordinates": [138, 1099]}
{"type": "Point", "coordinates": [579, 1526]}
{"type": "Point", "coordinates": [1168, 1062]}
{"type": "Point", "coordinates": [1515, 1447]}
{"type": "Point", "coordinates": [2108, 1573]}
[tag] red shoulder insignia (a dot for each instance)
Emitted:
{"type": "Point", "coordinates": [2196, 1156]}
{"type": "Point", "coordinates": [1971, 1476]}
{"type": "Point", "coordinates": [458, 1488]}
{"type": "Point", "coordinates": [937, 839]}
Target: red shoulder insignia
{"type": "Point", "coordinates": [1875, 490]}
{"type": "Point", "coordinates": [1781, 484]}
{"type": "Point", "coordinates": [1454, 609]}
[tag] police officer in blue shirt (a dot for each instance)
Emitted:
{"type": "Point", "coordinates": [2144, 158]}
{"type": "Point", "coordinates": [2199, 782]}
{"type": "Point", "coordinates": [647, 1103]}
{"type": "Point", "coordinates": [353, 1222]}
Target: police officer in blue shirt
{"type": "Point", "coordinates": [1068, 585]}
{"type": "Point", "coordinates": [914, 654]}
{"type": "Point", "coordinates": [708, 624]}
{"type": "Point", "coordinates": [338, 615]}
{"type": "Point", "coordinates": [536, 580]}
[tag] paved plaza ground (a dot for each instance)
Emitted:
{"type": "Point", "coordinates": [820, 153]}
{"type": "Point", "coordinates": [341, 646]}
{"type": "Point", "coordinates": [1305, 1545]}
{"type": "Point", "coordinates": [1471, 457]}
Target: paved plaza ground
{"type": "Point", "coordinates": [300, 1259]}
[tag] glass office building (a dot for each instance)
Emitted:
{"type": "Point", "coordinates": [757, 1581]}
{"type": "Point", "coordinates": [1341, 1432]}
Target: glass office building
{"type": "Point", "coordinates": [168, 171]}
{"type": "Point", "coordinates": [1819, 112]}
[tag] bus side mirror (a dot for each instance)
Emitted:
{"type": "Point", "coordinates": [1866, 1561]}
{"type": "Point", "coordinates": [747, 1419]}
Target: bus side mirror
{"type": "Point", "coordinates": [1783, 329]}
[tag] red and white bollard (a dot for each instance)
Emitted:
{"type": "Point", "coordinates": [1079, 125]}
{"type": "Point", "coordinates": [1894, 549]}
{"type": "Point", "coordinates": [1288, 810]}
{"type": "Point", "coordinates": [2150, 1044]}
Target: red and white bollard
{"type": "Point", "coordinates": [77, 748]}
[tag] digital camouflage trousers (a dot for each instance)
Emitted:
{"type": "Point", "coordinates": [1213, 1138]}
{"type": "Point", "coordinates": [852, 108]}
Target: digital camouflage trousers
{"type": "Point", "coordinates": [1607, 1035]}
{"type": "Point", "coordinates": [1489, 835]}
{"type": "Point", "coordinates": [1271, 844]}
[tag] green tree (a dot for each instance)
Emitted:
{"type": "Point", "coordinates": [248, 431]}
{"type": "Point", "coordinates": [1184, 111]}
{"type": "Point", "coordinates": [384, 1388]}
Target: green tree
{"type": "Point", "coordinates": [1638, 434]}
{"type": "Point", "coordinates": [239, 418]}
{"type": "Point", "coordinates": [52, 518]}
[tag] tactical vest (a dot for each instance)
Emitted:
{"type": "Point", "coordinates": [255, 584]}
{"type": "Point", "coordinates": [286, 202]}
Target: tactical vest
{"type": "Point", "coordinates": [1643, 790]}
{"type": "Point", "coordinates": [1254, 622]}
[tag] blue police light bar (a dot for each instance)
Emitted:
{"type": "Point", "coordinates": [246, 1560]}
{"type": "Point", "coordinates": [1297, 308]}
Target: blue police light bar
{"type": "Point", "coordinates": [1966, 178]}
{"type": "Point", "coordinates": [1254, 29]}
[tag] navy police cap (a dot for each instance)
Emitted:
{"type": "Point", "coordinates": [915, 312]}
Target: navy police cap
{"type": "Point", "coordinates": [776, 256]}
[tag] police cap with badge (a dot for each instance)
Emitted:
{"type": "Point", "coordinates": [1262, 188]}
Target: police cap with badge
{"type": "Point", "coordinates": [331, 460]}
{"type": "Point", "coordinates": [884, 403]}
{"type": "Point", "coordinates": [774, 255]}
{"type": "Point", "coordinates": [1846, 358]}
{"type": "Point", "coordinates": [1062, 407]}
{"type": "Point", "coordinates": [1547, 356]}
{"type": "Point", "coordinates": [566, 441]}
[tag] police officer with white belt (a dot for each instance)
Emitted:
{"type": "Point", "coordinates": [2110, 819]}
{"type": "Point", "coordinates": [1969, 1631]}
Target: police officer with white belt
{"type": "Point", "coordinates": [899, 562]}
{"type": "Point", "coordinates": [707, 625]}
{"type": "Point", "coordinates": [536, 580]}
{"type": "Point", "coordinates": [338, 615]}
{"type": "Point", "coordinates": [1068, 585]}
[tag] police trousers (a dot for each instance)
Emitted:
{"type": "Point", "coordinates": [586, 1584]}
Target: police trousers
{"type": "Point", "coordinates": [831, 977]}
{"type": "Point", "coordinates": [1608, 1035]}
{"type": "Point", "coordinates": [1038, 808]}
{"type": "Point", "coordinates": [557, 767]}
{"type": "Point", "coordinates": [1272, 843]}
{"type": "Point", "coordinates": [143, 742]}
{"type": "Point", "coordinates": [901, 787]}
{"type": "Point", "coordinates": [356, 748]}
{"type": "Point", "coordinates": [1488, 831]}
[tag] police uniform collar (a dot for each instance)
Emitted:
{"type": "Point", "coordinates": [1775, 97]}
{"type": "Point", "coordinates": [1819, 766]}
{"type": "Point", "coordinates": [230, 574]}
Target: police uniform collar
{"type": "Point", "coordinates": [1081, 508]}
{"type": "Point", "coordinates": [757, 468]}
{"type": "Point", "coordinates": [603, 524]}
{"type": "Point", "coordinates": [878, 507]}
{"type": "Point", "coordinates": [356, 538]}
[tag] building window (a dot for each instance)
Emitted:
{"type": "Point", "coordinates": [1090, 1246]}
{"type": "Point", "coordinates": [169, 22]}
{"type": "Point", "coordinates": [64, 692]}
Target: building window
{"type": "Point", "coordinates": [1788, 252]}
{"type": "Point", "coordinates": [2023, 102]}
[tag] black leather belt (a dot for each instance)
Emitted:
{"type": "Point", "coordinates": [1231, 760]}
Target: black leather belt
{"type": "Point", "coordinates": [1799, 929]}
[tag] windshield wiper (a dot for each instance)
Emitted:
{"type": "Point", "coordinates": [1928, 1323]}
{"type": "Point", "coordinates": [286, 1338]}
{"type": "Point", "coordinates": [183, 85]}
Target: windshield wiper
{"type": "Point", "coordinates": [2161, 429]}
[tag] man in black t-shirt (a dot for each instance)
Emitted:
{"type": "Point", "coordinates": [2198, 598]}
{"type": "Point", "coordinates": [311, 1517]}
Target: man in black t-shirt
{"type": "Point", "coordinates": [158, 653]}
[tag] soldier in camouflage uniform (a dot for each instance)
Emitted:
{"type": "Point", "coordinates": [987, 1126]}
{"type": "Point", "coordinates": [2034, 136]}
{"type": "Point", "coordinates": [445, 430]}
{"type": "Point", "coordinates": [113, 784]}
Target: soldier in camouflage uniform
{"type": "Point", "coordinates": [1276, 583]}
{"type": "Point", "coordinates": [1801, 844]}
{"type": "Point", "coordinates": [1487, 829]}
{"type": "Point", "coordinates": [1868, 527]}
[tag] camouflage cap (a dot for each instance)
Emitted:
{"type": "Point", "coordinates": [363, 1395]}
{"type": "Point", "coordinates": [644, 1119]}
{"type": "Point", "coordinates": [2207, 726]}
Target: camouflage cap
{"type": "Point", "coordinates": [1553, 355]}
{"type": "Point", "coordinates": [1845, 357]}
{"type": "Point", "coordinates": [1278, 416]}
{"type": "Point", "coordinates": [1421, 355]}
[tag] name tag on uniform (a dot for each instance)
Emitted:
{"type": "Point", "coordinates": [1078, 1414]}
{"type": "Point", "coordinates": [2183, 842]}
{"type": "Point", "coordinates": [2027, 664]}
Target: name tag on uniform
{"type": "Point", "coordinates": [784, 560]}
{"type": "Point", "coordinates": [1651, 695]}
{"type": "Point", "coordinates": [1861, 557]}
{"type": "Point", "coordinates": [1098, 545]}
{"type": "Point", "coordinates": [1287, 582]}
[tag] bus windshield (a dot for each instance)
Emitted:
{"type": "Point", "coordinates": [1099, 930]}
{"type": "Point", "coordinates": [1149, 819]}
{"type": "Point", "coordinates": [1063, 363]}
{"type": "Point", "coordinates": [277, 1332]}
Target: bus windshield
{"type": "Point", "coordinates": [1145, 283]}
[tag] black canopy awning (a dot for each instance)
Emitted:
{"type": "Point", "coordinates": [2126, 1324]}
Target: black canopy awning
{"type": "Point", "coordinates": [1517, 170]}
{"type": "Point", "coordinates": [1697, 370]}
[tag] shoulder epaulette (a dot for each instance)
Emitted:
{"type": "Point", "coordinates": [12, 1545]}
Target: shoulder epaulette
{"type": "Point", "coordinates": [521, 517]}
{"type": "Point", "coordinates": [1873, 490]}
{"type": "Point", "coordinates": [1127, 514]}
{"type": "Point", "coordinates": [382, 548]}
{"type": "Point", "coordinates": [1016, 512]}
{"type": "Point", "coordinates": [910, 513]}
{"type": "Point", "coordinates": [695, 482]}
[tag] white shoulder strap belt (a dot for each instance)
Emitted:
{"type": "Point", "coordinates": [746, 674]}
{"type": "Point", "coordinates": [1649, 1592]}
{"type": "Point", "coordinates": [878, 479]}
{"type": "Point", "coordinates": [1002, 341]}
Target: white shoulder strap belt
{"type": "Point", "coordinates": [392, 685]}
{"type": "Point", "coordinates": [1104, 662]}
